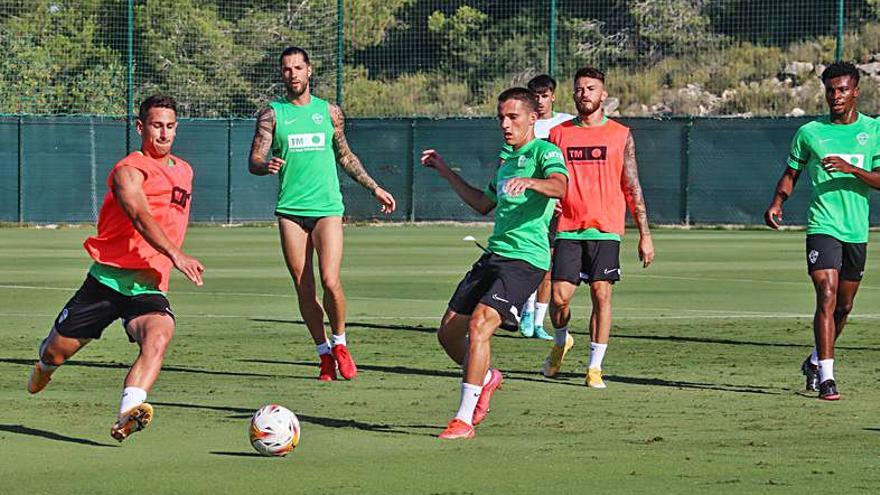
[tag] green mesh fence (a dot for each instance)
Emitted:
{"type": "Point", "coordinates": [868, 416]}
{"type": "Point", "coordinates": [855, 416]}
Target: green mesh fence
{"type": "Point", "coordinates": [218, 58]}
{"type": "Point", "coordinates": [405, 58]}
{"type": "Point", "coordinates": [693, 170]}
{"type": "Point", "coordinates": [72, 72]}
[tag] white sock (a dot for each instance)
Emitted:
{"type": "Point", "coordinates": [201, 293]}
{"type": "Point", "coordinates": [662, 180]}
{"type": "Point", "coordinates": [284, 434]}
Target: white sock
{"type": "Point", "coordinates": [597, 354]}
{"type": "Point", "coordinates": [131, 396]}
{"type": "Point", "coordinates": [529, 306]}
{"type": "Point", "coordinates": [814, 357]}
{"type": "Point", "coordinates": [826, 370]}
{"type": "Point", "coordinates": [540, 313]}
{"type": "Point", "coordinates": [561, 336]}
{"type": "Point", "coordinates": [338, 339]}
{"type": "Point", "coordinates": [323, 348]}
{"type": "Point", "coordinates": [487, 377]}
{"type": "Point", "coordinates": [470, 394]}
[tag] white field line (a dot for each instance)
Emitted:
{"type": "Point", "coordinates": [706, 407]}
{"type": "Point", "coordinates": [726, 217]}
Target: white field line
{"type": "Point", "coordinates": [805, 283]}
{"type": "Point", "coordinates": [726, 316]}
{"type": "Point", "coordinates": [692, 313]}
{"type": "Point", "coordinates": [285, 295]}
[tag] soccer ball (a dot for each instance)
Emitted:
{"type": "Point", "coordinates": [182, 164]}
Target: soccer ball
{"type": "Point", "coordinates": [274, 430]}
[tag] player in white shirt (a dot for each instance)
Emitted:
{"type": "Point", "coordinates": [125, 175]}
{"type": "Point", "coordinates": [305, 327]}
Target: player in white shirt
{"type": "Point", "coordinates": [535, 309]}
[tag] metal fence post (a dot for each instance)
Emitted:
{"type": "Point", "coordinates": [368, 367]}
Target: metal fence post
{"type": "Point", "coordinates": [340, 58]}
{"type": "Point", "coordinates": [129, 102]}
{"type": "Point", "coordinates": [684, 213]}
{"type": "Point", "coordinates": [551, 55]}
{"type": "Point", "coordinates": [20, 171]}
{"type": "Point", "coordinates": [840, 11]}
{"type": "Point", "coordinates": [229, 124]}
{"type": "Point", "coordinates": [411, 171]}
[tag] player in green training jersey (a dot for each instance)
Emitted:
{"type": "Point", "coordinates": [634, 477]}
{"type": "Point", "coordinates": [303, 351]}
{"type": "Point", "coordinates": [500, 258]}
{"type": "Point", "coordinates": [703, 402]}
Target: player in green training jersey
{"type": "Point", "coordinates": [306, 137]}
{"type": "Point", "coordinates": [840, 153]}
{"type": "Point", "coordinates": [493, 292]}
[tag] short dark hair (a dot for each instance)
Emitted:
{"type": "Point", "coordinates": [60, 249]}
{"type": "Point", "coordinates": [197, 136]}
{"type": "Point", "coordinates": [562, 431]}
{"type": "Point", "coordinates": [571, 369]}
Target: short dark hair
{"type": "Point", "coordinates": [542, 83]}
{"type": "Point", "coordinates": [293, 50]}
{"type": "Point", "coordinates": [839, 69]}
{"type": "Point", "coordinates": [591, 72]}
{"type": "Point", "coordinates": [524, 95]}
{"type": "Point", "coordinates": [156, 101]}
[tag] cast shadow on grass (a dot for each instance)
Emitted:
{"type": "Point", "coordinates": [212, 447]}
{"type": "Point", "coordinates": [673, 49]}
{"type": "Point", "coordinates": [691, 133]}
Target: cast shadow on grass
{"type": "Point", "coordinates": [399, 370]}
{"type": "Point", "coordinates": [357, 324]}
{"type": "Point", "coordinates": [633, 380]}
{"type": "Point", "coordinates": [707, 340]}
{"type": "Point", "coordinates": [247, 413]}
{"type": "Point", "coordinates": [872, 429]}
{"type": "Point", "coordinates": [165, 368]}
{"type": "Point", "coordinates": [235, 454]}
{"type": "Point", "coordinates": [50, 435]}
{"type": "Point", "coordinates": [388, 326]}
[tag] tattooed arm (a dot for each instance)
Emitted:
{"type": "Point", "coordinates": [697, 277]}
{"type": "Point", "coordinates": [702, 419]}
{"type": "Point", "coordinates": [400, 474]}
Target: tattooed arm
{"type": "Point", "coordinates": [257, 162]}
{"type": "Point", "coordinates": [352, 164]}
{"type": "Point", "coordinates": [636, 202]}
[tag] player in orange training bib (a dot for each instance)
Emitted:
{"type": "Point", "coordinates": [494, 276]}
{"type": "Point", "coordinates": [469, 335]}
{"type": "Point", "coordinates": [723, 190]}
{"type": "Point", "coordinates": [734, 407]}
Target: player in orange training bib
{"type": "Point", "coordinates": [603, 181]}
{"type": "Point", "coordinates": [141, 227]}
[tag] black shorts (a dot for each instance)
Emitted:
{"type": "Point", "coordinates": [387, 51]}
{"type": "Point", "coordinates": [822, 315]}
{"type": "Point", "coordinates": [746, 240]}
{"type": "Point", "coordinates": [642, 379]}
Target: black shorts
{"type": "Point", "coordinates": [95, 306]}
{"type": "Point", "coordinates": [307, 223]}
{"type": "Point", "coordinates": [503, 284]}
{"type": "Point", "coordinates": [589, 261]}
{"type": "Point", "coordinates": [825, 252]}
{"type": "Point", "coordinates": [551, 232]}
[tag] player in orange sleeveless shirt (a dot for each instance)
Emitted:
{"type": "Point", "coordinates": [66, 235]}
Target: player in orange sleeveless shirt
{"type": "Point", "coordinates": [141, 227]}
{"type": "Point", "coordinates": [603, 182]}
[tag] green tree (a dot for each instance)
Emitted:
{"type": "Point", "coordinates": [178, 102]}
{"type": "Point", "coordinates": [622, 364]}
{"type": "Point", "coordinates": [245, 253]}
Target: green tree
{"type": "Point", "coordinates": [670, 27]}
{"type": "Point", "coordinates": [56, 61]}
{"type": "Point", "coordinates": [186, 49]}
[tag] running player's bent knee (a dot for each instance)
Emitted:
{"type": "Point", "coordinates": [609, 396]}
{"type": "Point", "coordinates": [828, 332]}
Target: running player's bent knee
{"type": "Point", "coordinates": [558, 305]}
{"type": "Point", "coordinates": [479, 328]}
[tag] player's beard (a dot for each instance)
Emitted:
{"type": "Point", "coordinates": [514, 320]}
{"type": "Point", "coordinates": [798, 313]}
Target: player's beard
{"type": "Point", "coordinates": [588, 108]}
{"type": "Point", "coordinates": [294, 92]}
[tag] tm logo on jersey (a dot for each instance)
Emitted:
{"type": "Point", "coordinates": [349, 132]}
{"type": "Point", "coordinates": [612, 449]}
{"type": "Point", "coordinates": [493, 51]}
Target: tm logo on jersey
{"type": "Point", "coordinates": [180, 197]}
{"type": "Point", "coordinates": [306, 142]}
{"type": "Point", "coordinates": [857, 160]}
{"type": "Point", "coordinates": [587, 153]}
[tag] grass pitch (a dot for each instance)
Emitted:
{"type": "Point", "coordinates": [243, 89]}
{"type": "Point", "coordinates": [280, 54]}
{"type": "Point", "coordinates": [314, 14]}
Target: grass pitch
{"type": "Point", "coordinates": [704, 390]}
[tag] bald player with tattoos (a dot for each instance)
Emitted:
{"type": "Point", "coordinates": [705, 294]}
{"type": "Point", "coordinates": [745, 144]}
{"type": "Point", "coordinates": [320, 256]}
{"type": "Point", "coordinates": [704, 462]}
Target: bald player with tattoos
{"type": "Point", "coordinates": [301, 138]}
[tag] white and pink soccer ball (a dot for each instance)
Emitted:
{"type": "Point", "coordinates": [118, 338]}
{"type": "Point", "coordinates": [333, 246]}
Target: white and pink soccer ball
{"type": "Point", "coordinates": [274, 430]}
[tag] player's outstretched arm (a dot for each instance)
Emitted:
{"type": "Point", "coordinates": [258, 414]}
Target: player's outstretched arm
{"type": "Point", "coordinates": [352, 164]}
{"type": "Point", "coordinates": [784, 187]}
{"type": "Point", "coordinates": [259, 163]}
{"type": "Point", "coordinates": [552, 187]}
{"type": "Point", "coordinates": [128, 189]}
{"type": "Point", "coordinates": [635, 200]}
{"type": "Point", "coordinates": [470, 194]}
{"type": "Point", "coordinates": [838, 164]}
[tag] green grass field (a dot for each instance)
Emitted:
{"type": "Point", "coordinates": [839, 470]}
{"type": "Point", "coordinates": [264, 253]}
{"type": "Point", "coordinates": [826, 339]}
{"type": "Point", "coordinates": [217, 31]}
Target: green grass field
{"type": "Point", "coordinates": [704, 390]}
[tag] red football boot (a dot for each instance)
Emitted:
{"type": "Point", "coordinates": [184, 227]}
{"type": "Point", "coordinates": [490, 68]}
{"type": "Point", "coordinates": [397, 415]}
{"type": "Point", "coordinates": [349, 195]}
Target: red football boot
{"type": "Point", "coordinates": [486, 395]}
{"type": "Point", "coordinates": [457, 429]}
{"type": "Point", "coordinates": [346, 365]}
{"type": "Point", "coordinates": [328, 368]}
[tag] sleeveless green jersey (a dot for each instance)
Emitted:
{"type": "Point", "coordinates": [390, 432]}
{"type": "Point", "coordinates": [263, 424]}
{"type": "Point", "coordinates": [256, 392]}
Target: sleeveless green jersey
{"type": "Point", "coordinates": [304, 139]}
{"type": "Point", "coordinates": [839, 205]}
